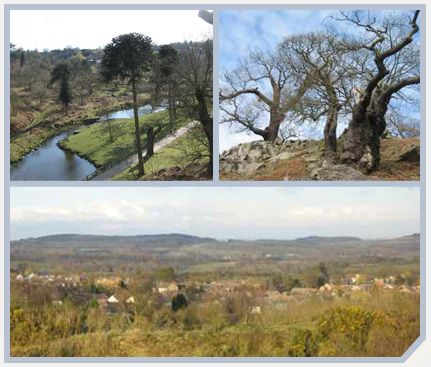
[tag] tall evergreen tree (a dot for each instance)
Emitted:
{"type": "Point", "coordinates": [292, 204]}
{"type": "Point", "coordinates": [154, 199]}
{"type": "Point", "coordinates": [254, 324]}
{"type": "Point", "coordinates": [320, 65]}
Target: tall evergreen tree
{"type": "Point", "coordinates": [22, 59]}
{"type": "Point", "coordinates": [62, 73]}
{"type": "Point", "coordinates": [129, 57]}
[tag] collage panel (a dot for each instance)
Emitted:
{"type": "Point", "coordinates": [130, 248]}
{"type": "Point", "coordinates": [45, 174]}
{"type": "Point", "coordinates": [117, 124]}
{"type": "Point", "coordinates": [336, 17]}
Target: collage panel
{"type": "Point", "coordinates": [206, 272]}
{"type": "Point", "coordinates": [331, 95]}
{"type": "Point", "coordinates": [125, 96]}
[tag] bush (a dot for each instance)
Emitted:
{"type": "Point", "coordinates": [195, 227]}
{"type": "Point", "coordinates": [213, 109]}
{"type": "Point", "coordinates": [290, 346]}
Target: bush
{"type": "Point", "coordinates": [346, 329]}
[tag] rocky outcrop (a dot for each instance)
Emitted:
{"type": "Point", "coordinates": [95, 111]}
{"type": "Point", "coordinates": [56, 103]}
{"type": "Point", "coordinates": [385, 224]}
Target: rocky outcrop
{"type": "Point", "coordinates": [248, 158]}
{"type": "Point", "coordinates": [305, 160]}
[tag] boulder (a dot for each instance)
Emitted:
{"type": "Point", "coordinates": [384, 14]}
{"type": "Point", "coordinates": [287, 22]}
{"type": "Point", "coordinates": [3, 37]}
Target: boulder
{"type": "Point", "coordinates": [337, 172]}
{"type": "Point", "coordinates": [412, 154]}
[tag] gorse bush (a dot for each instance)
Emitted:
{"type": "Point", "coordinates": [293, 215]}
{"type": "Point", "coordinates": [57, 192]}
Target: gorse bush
{"type": "Point", "coordinates": [347, 329]}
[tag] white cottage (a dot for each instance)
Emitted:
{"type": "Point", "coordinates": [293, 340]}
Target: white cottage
{"type": "Point", "coordinates": [112, 299]}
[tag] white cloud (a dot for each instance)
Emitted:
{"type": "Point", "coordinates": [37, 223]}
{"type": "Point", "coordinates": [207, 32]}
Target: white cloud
{"type": "Point", "coordinates": [221, 212]}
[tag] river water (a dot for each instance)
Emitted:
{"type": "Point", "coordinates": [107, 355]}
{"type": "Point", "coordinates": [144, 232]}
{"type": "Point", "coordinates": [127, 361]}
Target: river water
{"type": "Point", "coordinates": [50, 163]}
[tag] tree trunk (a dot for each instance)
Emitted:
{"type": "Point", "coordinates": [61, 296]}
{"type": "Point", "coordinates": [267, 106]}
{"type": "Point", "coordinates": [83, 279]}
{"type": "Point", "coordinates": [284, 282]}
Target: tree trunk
{"type": "Point", "coordinates": [275, 120]}
{"type": "Point", "coordinates": [370, 125]}
{"type": "Point", "coordinates": [171, 110]}
{"type": "Point", "coordinates": [207, 124]}
{"type": "Point", "coordinates": [330, 132]}
{"type": "Point", "coordinates": [137, 130]}
{"type": "Point", "coordinates": [361, 146]}
{"type": "Point", "coordinates": [109, 129]}
{"type": "Point", "coordinates": [150, 142]}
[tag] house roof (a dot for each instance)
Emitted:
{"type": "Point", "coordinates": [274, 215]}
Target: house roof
{"type": "Point", "coordinates": [112, 299]}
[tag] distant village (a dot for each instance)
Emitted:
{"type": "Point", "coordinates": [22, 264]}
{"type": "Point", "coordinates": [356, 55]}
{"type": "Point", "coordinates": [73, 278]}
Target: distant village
{"type": "Point", "coordinates": [120, 297]}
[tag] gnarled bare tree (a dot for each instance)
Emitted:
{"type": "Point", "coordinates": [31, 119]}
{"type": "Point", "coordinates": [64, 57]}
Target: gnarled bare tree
{"type": "Point", "coordinates": [394, 66]}
{"type": "Point", "coordinates": [274, 88]}
{"type": "Point", "coordinates": [324, 57]}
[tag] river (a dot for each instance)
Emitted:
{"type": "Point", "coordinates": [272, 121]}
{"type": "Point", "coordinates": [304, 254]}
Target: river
{"type": "Point", "coordinates": [51, 163]}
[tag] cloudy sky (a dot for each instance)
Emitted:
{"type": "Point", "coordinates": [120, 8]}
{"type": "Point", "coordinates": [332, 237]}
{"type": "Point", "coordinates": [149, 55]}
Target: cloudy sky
{"type": "Point", "coordinates": [244, 31]}
{"type": "Point", "coordinates": [217, 212]}
{"type": "Point", "coordinates": [53, 29]}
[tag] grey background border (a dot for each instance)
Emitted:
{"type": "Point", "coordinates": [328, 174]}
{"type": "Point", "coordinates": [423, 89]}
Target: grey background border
{"type": "Point", "coordinates": [217, 7]}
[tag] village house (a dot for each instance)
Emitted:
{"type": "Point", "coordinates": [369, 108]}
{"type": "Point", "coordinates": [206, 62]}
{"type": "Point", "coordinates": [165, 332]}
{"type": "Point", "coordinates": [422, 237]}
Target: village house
{"type": "Point", "coordinates": [327, 288]}
{"type": "Point", "coordinates": [113, 299]}
{"type": "Point", "coordinates": [110, 282]}
{"type": "Point", "coordinates": [390, 279]}
{"type": "Point", "coordinates": [131, 299]}
{"type": "Point", "coordinates": [228, 285]}
{"type": "Point", "coordinates": [355, 279]}
{"type": "Point", "coordinates": [404, 289]}
{"type": "Point", "coordinates": [167, 288]}
{"type": "Point", "coordinates": [162, 290]}
{"type": "Point", "coordinates": [113, 305]}
{"type": "Point", "coordinates": [379, 282]}
{"type": "Point", "coordinates": [327, 291]}
{"type": "Point", "coordinates": [256, 310]}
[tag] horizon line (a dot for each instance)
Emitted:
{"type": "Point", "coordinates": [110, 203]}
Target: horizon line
{"type": "Point", "coordinates": [221, 239]}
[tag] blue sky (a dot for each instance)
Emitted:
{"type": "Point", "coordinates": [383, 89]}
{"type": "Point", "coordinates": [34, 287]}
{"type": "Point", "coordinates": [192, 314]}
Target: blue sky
{"type": "Point", "coordinates": [243, 31]}
{"type": "Point", "coordinates": [262, 212]}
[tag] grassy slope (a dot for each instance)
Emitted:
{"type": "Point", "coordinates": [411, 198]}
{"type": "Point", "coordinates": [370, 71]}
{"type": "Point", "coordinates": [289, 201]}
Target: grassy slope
{"type": "Point", "coordinates": [94, 143]}
{"type": "Point", "coordinates": [205, 331]}
{"type": "Point", "coordinates": [167, 157]}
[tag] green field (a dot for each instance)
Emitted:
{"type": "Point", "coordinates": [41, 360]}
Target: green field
{"type": "Point", "coordinates": [95, 144]}
{"type": "Point", "coordinates": [211, 267]}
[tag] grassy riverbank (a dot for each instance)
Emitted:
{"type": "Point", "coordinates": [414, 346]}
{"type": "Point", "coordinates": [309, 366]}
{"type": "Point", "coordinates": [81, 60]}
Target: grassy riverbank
{"type": "Point", "coordinates": [50, 121]}
{"type": "Point", "coordinates": [105, 144]}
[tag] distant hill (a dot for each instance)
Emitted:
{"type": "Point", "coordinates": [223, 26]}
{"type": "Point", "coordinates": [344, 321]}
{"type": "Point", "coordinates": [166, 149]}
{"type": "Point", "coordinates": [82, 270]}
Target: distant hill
{"type": "Point", "coordinates": [104, 253]}
{"type": "Point", "coordinates": [82, 241]}
{"type": "Point", "coordinates": [316, 240]}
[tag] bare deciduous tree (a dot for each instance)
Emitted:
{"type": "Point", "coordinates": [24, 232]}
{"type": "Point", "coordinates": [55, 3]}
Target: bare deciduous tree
{"type": "Point", "coordinates": [195, 74]}
{"type": "Point", "coordinates": [276, 89]}
{"type": "Point", "coordinates": [324, 57]}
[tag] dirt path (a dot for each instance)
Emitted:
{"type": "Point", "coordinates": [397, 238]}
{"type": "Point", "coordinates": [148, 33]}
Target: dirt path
{"type": "Point", "coordinates": [133, 160]}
